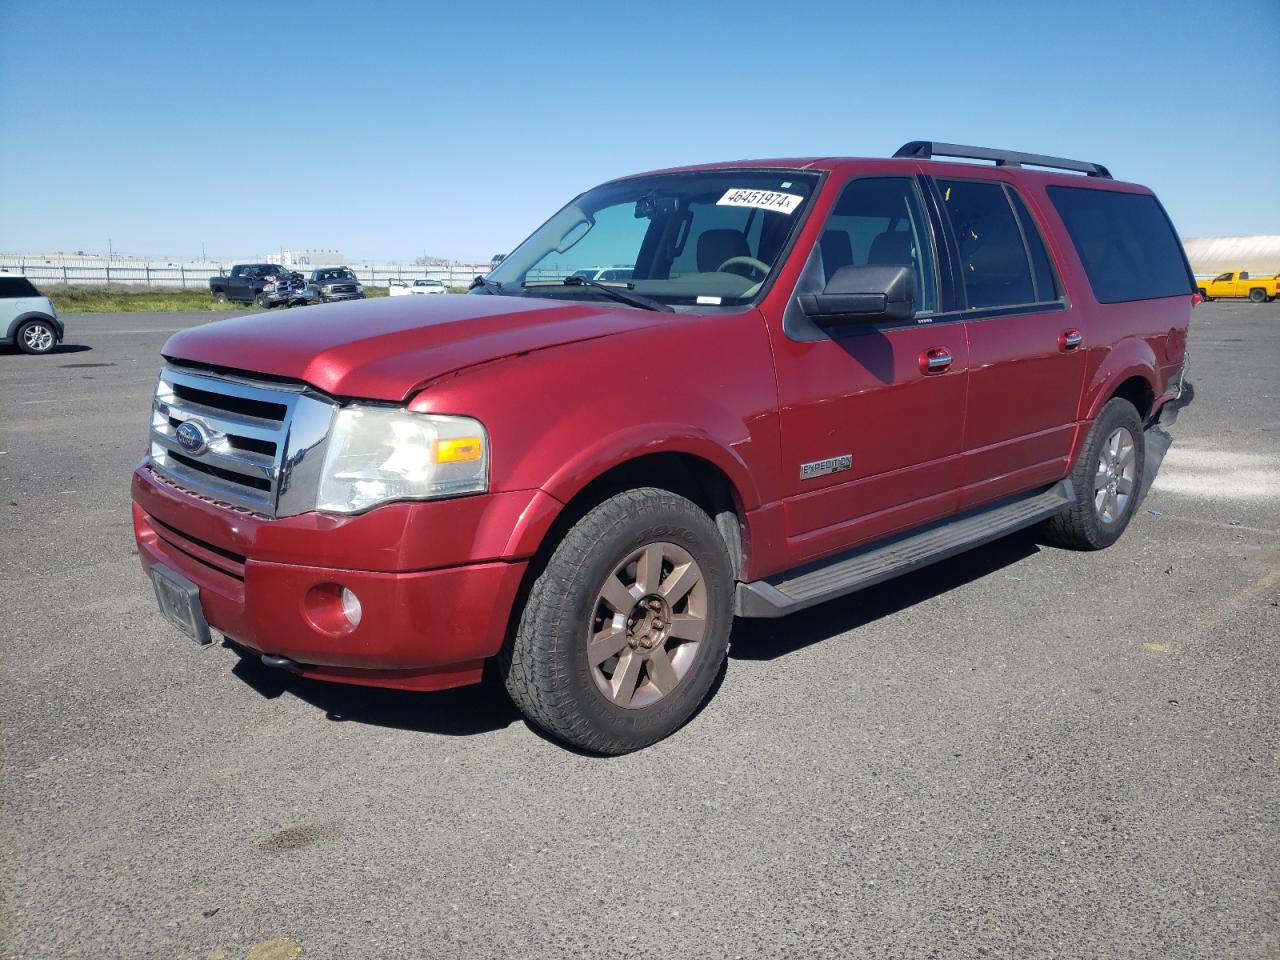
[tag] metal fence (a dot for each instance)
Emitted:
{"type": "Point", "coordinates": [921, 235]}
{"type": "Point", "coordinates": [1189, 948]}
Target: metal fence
{"type": "Point", "coordinates": [196, 276]}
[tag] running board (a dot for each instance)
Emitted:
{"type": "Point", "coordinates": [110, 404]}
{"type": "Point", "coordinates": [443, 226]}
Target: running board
{"type": "Point", "coordinates": [865, 567]}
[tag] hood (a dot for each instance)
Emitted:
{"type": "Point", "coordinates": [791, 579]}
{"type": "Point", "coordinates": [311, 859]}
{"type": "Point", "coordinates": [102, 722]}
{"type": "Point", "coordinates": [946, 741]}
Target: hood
{"type": "Point", "coordinates": [387, 349]}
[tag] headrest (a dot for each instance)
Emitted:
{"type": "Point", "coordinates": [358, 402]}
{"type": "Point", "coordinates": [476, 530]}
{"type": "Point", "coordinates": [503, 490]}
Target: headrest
{"type": "Point", "coordinates": [717, 246]}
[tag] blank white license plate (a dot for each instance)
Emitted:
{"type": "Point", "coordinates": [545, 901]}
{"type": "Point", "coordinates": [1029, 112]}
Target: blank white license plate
{"type": "Point", "coordinates": [179, 601]}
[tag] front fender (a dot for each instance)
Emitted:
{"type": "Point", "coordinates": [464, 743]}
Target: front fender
{"type": "Point", "coordinates": [559, 418]}
{"type": "Point", "coordinates": [643, 440]}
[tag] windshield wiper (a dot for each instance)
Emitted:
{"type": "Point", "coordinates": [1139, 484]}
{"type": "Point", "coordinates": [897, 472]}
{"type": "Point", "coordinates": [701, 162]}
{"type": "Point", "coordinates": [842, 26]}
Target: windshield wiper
{"type": "Point", "coordinates": [613, 290]}
{"type": "Point", "coordinates": [490, 286]}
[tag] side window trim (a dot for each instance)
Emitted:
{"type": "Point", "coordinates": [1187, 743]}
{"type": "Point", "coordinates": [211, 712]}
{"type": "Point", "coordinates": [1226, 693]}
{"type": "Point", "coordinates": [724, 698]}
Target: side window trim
{"type": "Point", "coordinates": [1026, 247]}
{"type": "Point", "coordinates": [1027, 221]}
{"type": "Point", "coordinates": [952, 296]}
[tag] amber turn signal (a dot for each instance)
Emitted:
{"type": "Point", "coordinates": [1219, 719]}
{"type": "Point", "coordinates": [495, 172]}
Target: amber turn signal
{"type": "Point", "coordinates": [459, 449]}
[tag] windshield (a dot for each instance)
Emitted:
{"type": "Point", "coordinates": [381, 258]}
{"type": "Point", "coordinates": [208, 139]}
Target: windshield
{"type": "Point", "coordinates": [342, 273]}
{"type": "Point", "coordinates": [709, 237]}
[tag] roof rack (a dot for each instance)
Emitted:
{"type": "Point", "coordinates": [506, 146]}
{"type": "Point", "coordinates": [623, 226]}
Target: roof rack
{"type": "Point", "coordinates": [927, 150]}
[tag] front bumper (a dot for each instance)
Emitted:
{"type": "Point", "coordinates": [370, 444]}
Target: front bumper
{"type": "Point", "coordinates": [421, 629]}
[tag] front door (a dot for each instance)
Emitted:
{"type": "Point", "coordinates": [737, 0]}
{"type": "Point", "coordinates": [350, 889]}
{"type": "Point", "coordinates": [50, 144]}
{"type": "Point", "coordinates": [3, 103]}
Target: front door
{"type": "Point", "coordinates": [1026, 345]}
{"type": "Point", "coordinates": [870, 434]}
{"type": "Point", "coordinates": [239, 285]}
{"type": "Point", "coordinates": [1223, 285]}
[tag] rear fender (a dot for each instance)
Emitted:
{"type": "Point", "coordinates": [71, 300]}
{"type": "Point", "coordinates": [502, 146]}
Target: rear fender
{"type": "Point", "coordinates": [1131, 357]}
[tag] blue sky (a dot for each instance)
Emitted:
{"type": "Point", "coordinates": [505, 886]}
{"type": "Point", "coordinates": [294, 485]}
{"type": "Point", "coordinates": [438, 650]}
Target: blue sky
{"type": "Point", "coordinates": [388, 130]}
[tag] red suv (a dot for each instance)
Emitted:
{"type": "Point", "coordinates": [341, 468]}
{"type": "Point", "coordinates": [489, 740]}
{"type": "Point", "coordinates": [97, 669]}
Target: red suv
{"type": "Point", "coordinates": [818, 374]}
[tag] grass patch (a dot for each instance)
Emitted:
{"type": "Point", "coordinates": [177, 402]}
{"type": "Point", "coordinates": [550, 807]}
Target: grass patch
{"type": "Point", "coordinates": [133, 299]}
{"type": "Point", "coordinates": [126, 299]}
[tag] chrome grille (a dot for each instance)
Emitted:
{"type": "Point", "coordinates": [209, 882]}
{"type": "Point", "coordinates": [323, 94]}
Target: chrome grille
{"type": "Point", "coordinates": [257, 446]}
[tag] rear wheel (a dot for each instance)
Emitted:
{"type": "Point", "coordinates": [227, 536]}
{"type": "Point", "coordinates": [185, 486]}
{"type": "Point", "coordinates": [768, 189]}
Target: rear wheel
{"type": "Point", "coordinates": [1107, 479]}
{"type": "Point", "coordinates": [1258, 295]}
{"type": "Point", "coordinates": [36, 336]}
{"type": "Point", "coordinates": [627, 626]}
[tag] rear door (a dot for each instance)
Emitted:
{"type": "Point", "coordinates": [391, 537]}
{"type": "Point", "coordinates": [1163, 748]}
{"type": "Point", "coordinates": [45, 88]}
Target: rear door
{"type": "Point", "coordinates": [1026, 344]}
{"type": "Point", "coordinates": [870, 436]}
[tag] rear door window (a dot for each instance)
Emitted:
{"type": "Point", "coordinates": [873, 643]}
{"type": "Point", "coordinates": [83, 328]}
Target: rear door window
{"type": "Point", "coordinates": [12, 288]}
{"type": "Point", "coordinates": [993, 258]}
{"type": "Point", "coordinates": [1125, 241]}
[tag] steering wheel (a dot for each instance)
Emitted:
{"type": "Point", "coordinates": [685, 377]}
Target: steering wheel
{"type": "Point", "coordinates": [759, 266]}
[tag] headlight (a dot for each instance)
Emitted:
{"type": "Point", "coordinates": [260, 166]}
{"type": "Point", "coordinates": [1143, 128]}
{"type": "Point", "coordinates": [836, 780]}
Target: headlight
{"type": "Point", "coordinates": [268, 287]}
{"type": "Point", "coordinates": [378, 454]}
{"type": "Point", "coordinates": [327, 288]}
{"type": "Point", "coordinates": [359, 288]}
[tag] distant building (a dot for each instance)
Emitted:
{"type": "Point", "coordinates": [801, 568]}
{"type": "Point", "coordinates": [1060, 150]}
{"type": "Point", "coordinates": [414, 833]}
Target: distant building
{"type": "Point", "coordinates": [307, 258]}
{"type": "Point", "coordinates": [1212, 255]}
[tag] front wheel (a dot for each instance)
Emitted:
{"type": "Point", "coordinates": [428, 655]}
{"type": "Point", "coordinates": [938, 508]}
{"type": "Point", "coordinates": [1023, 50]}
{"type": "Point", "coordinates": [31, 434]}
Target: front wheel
{"type": "Point", "coordinates": [36, 336]}
{"type": "Point", "coordinates": [1204, 296]}
{"type": "Point", "coordinates": [261, 301]}
{"type": "Point", "coordinates": [1107, 479]}
{"type": "Point", "coordinates": [626, 627]}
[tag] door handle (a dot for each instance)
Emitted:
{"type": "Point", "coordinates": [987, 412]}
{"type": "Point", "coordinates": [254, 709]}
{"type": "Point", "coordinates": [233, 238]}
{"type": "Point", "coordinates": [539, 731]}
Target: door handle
{"type": "Point", "coordinates": [935, 360]}
{"type": "Point", "coordinates": [1070, 339]}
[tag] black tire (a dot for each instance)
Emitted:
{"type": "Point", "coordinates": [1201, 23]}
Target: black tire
{"type": "Point", "coordinates": [1258, 295]}
{"type": "Point", "coordinates": [261, 301]}
{"type": "Point", "coordinates": [546, 666]}
{"type": "Point", "coordinates": [1204, 296]}
{"type": "Point", "coordinates": [36, 337]}
{"type": "Point", "coordinates": [220, 297]}
{"type": "Point", "coordinates": [1080, 526]}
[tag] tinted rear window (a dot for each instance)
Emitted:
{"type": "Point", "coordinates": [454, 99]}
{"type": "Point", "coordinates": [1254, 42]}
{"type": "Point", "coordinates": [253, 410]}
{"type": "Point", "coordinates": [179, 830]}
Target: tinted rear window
{"type": "Point", "coordinates": [1126, 243]}
{"type": "Point", "coordinates": [13, 287]}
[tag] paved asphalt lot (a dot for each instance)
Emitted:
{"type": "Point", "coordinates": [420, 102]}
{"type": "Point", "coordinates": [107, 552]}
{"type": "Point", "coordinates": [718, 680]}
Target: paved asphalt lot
{"type": "Point", "coordinates": [1024, 752]}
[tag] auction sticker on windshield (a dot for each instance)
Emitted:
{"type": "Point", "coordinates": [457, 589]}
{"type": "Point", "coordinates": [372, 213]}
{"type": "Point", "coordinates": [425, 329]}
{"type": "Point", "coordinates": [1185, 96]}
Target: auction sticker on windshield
{"type": "Point", "coordinates": [764, 199]}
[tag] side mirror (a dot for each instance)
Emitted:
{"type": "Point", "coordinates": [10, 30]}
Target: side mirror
{"type": "Point", "coordinates": [869, 294]}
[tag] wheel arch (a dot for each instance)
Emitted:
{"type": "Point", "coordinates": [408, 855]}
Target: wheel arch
{"type": "Point", "coordinates": [677, 470]}
{"type": "Point", "coordinates": [11, 335]}
{"type": "Point", "coordinates": [1131, 370]}
{"type": "Point", "coordinates": [1139, 391]}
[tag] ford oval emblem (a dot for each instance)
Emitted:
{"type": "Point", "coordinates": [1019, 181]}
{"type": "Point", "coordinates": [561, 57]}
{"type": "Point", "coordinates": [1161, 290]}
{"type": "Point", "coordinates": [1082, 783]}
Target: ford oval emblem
{"type": "Point", "coordinates": [192, 438]}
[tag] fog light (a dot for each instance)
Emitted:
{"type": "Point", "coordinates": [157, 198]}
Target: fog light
{"type": "Point", "coordinates": [332, 608]}
{"type": "Point", "coordinates": [351, 607]}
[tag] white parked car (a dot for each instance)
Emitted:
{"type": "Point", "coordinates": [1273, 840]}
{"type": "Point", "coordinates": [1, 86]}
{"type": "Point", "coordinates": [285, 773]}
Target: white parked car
{"type": "Point", "coordinates": [400, 288]}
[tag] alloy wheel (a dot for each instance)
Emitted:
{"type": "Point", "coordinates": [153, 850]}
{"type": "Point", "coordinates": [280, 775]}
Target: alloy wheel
{"type": "Point", "coordinates": [38, 338]}
{"type": "Point", "coordinates": [1113, 483]}
{"type": "Point", "coordinates": [647, 626]}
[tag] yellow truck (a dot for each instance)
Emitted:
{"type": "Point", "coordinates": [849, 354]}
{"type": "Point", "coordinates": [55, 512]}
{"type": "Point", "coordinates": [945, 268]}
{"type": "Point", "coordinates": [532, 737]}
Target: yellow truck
{"type": "Point", "coordinates": [1259, 289]}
